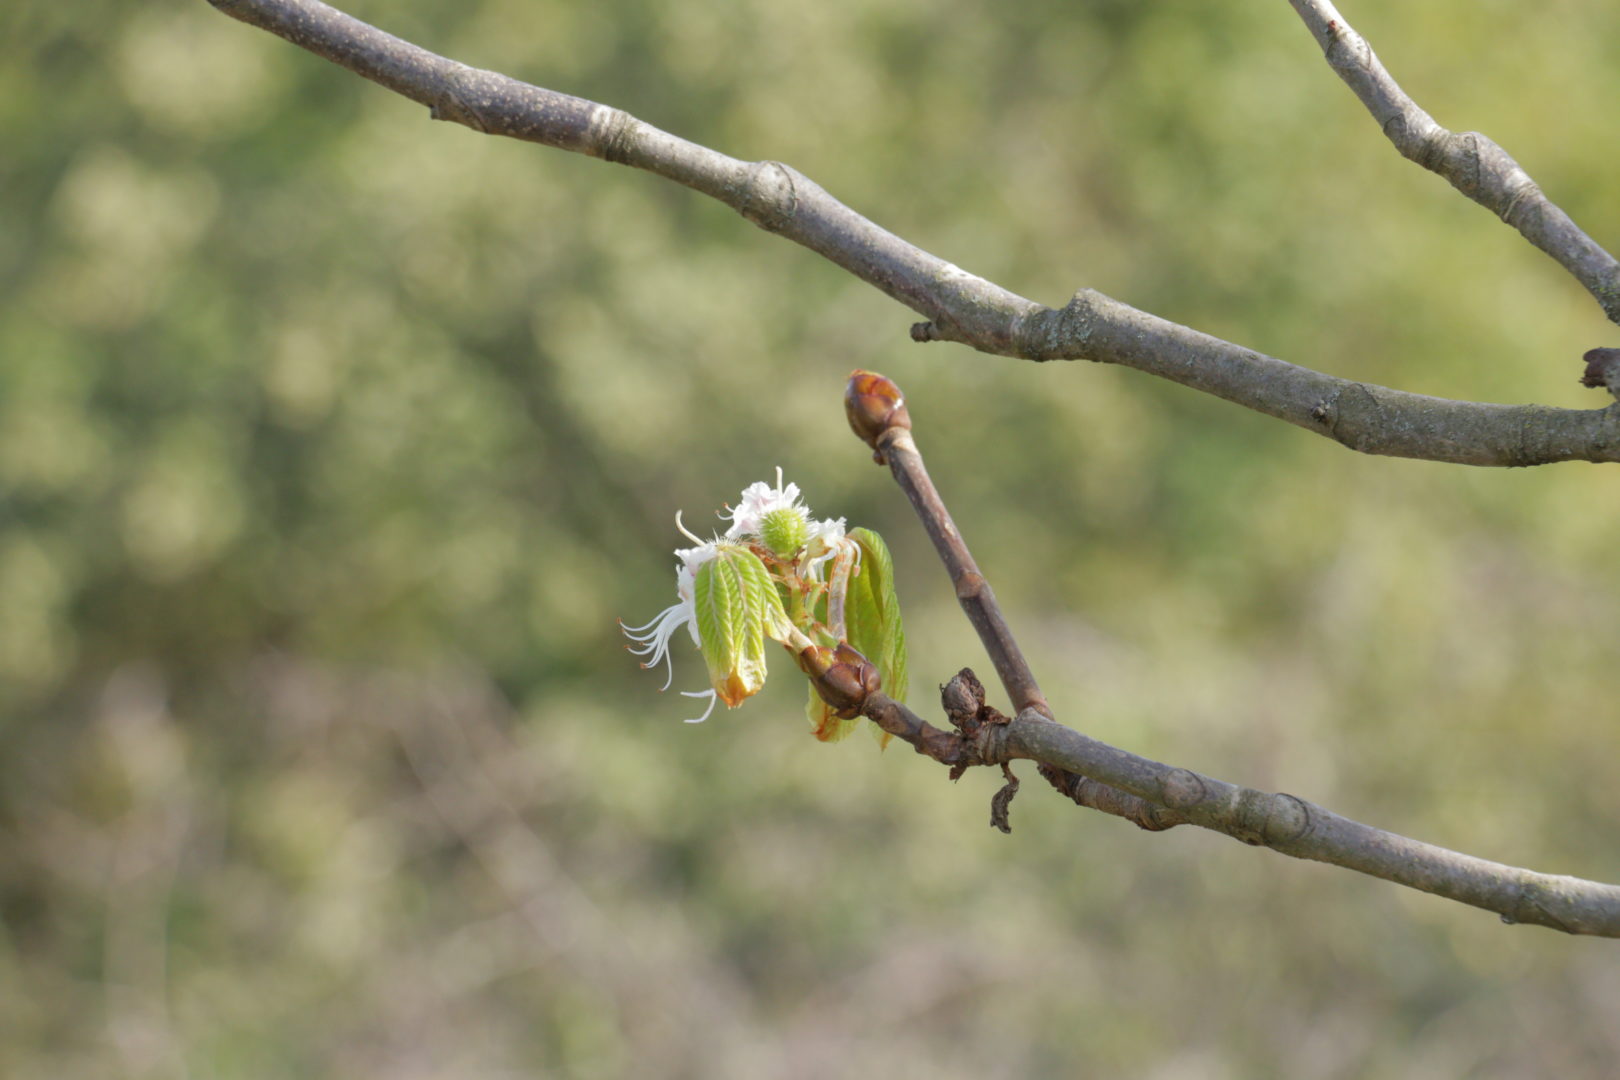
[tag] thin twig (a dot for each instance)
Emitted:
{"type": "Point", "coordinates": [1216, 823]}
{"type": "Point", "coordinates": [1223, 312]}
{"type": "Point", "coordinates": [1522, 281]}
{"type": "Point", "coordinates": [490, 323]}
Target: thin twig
{"type": "Point", "coordinates": [960, 306]}
{"type": "Point", "coordinates": [873, 402]}
{"type": "Point", "coordinates": [1141, 789]}
{"type": "Point", "coordinates": [1471, 162]}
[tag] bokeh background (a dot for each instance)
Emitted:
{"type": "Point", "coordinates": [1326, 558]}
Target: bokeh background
{"type": "Point", "coordinates": [334, 441]}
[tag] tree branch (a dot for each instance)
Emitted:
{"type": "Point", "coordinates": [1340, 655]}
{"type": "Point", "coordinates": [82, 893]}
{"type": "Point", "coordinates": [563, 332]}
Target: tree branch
{"type": "Point", "coordinates": [1292, 826]}
{"type": "Point", "coordinates": [1157, 796]}
{"type": "Point", "coordinates": [964, 308]}
{"type": "Point", "coordinates": [968, 309]}
{"type": "Point", "coordinates": [1471, 162]}
{"type": "Point", "coordinates": [1364, 417]}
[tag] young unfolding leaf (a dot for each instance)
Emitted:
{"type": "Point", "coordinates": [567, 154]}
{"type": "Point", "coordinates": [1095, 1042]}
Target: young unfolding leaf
{"type": "Point", "coordinates": [872, 613]}
{"type": "Point", "coordinates": [825, 722]}
{"type": "Point", "coordinates": [736, 607]}
{"type": "Point", "coordinates": [872, 610]}
{"type": "Point", "coordinates": [843, 680]}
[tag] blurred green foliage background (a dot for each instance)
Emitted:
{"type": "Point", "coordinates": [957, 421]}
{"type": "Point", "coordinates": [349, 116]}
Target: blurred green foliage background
{"type": "Point", "coordinates": [332, 443]}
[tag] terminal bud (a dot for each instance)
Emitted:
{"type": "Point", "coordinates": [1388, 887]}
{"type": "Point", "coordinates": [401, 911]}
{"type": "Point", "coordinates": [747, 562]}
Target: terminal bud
{"type": "Point", "coordinates": [874, 404]}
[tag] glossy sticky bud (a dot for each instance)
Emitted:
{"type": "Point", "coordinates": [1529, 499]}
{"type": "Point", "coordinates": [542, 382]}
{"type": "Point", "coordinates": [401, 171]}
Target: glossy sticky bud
{"type": "Point", "coordinates": [846, 684]}
{"type": "Point", "coordinates": [874, 404]}
{"type": "Point", "coordinates": [814, 660]}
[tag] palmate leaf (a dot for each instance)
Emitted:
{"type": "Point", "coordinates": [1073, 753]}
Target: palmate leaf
{"type": "Point", "coordinates": [737, 608]}
{"type": "Point", "coordinates": [872, 621]}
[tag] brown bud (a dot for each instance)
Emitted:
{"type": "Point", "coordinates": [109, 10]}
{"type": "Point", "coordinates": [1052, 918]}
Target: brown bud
{"type": "Point", "coordinates": [870, 681]}
{"type": "Point", "coordinates": [1602, 369]}
{"type": "Point", "coordinates": [874, 404]}
{"type": "Point", "coordinates": [962, 697]}
{"type": "Point", "coordinates": [847, 682]}
{"type": "Point", "coordinates": [814, 660]}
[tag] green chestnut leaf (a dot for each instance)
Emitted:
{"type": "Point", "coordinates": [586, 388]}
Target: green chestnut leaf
{"type": "Point", "coordinates": [872, 613]}
{"type": "Point", "coordinates": [737, 607]}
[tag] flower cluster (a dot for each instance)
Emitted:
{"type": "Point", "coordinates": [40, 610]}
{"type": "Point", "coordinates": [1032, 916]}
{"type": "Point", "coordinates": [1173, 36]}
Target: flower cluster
{"type": "Point", "coordinates": [777, 573]}
{"type": "Point", "coordinates": [774, 517]}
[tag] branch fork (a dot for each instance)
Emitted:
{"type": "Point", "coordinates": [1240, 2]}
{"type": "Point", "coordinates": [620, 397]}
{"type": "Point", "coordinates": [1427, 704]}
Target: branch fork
{"type": "Point", "coordinates": [1152, 795]}
{"type": "Point", "coordinates": [961, 307]}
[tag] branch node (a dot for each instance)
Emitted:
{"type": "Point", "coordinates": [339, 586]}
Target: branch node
{"type": "Point", "coordinates": [983, 727]}
{"type": "Point", "coordinates": [1288, 820]}
{"type": "Point", "coordinates": [969, 585]}
{"type": "Point", "coordinates": [990, 740]}
{"type": "Point", "coordinates": [1602, 370]}
{"type": "Point", "coordinates": [1060, 333]}
{"type": "Point", "coordinates": [1529, 906]}
{"type": "Point", "coordinates": [616, 141]}
{"type": "Point", "coordinates": [453, 105]}
{"type": "Point", "coordinates": [1466, 147]}
{"type": "Point", "coordinates": [1183, 789]}
{"type": "Point", "coordinates": [770, 196]}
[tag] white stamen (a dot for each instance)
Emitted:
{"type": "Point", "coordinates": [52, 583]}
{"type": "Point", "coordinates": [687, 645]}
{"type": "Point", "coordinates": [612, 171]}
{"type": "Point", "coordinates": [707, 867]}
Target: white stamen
{"type": "Point", "coordinates": [686, 532]}
{"type": "Point", "coordinates": [710, 694]}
